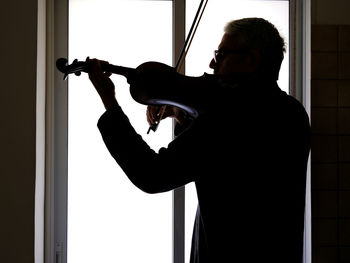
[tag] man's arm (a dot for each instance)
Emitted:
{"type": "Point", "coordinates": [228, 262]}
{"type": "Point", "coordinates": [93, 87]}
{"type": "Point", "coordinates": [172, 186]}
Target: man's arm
{"type": "Point", "coordinates": [150, 171]}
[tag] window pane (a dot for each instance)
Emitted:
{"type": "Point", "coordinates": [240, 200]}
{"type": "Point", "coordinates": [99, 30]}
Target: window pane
{"type": "Point", "coordinates": [109, 219]}
{"type": "Point", "coordinates": [215, 17]}
{"type": "Point", "coordinates": [207, 39]}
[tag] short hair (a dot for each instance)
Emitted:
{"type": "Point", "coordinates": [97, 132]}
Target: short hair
{"type": "Point", "coordinates": [261, 35]}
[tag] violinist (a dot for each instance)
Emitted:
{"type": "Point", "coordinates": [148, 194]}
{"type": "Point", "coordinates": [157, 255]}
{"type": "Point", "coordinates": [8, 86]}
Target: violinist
{"type": "Point", "coordinates": [246, 152]}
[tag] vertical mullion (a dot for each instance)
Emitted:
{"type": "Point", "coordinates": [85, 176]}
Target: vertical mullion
{"type": "Point", "coordinates": [300, 13]}
{"type": "Point", "coordinates": [179, 28]}
{"type": "Point", "coordinates": [56, 135]}
{"type": "Point", "coordinates": [61, 137]}
{"type": "Point", "coordinates": [178, 194]}
{"type": "Point", "coordinates": [179, 225]}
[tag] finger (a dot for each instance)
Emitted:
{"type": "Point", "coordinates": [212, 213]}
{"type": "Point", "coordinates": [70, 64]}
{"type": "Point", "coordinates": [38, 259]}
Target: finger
{"type": "Point", "coordinates": [156, 113]}
{"type": "Point", "coordinates": [153, 114]}
{"type": "Point", "coordinates": [95, 69]}
{"type": "Point", "coordinates": [103, 62]}
{"type": "Point", "coordinates": [97, 73]}
{"type": "Point", "coordinates": [108, 74]}
{"type": "Point", "coordinates": [166, 111]}
{"type": "Point", "coordinates": [148, 116]}
{"type": "Point", "coordinates": [98, 78]}
{"type": "Point", "coordinates": [104, 65]}
{"type": "Point", "coordinates": [151, 118]}
{"type": "Point", "coordinates": [161, 112]}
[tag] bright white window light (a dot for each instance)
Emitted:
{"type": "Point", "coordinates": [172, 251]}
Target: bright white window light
{"type": "Point", "coordinates": [207, 39]}
{"type": "Point", "coordinates": [109, 219]}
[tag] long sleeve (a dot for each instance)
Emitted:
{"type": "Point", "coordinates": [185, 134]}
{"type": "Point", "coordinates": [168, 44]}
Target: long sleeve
{"type": "Point", "coordinates": [150, 171]}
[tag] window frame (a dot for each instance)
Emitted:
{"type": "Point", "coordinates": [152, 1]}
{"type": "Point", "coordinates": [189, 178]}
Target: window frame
{"type": "Point", "coordinates": [55, 249]}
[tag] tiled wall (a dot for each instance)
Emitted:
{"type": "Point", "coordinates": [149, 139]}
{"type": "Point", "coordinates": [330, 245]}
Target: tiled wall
{"type": "Point", "coordinates": [330, 111]}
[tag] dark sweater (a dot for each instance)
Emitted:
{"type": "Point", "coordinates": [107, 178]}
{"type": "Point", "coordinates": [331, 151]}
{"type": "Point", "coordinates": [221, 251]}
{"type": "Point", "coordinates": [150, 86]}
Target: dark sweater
{"type": "Point", "coordinates": [247, 155]}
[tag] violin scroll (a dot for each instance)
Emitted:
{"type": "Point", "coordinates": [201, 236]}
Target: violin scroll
{"type": "Point", "coordinates": [76, 67]}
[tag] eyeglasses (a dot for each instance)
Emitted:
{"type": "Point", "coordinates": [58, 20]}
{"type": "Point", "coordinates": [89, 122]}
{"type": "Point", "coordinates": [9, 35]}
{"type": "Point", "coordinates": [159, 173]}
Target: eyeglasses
{"type": "Point", "coordinates": [221, 53]}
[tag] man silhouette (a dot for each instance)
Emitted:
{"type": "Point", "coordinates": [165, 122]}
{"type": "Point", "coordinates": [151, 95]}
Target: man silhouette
{"type": "Point", "coordinates": [247, 152]}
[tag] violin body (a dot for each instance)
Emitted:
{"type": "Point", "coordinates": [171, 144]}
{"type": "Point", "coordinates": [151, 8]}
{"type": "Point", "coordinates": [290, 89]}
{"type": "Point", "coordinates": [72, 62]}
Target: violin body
{"type": "Point", "coordinates": [159, 84]}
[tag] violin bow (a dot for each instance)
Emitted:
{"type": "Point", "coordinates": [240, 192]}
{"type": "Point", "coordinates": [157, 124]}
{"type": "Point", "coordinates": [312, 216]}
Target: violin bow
{"type": "Point", "coordinates": [181, 59]}
{"type": "Point", "coordinates": [191, 34]}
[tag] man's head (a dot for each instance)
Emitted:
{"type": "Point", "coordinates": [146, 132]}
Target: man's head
{"type": "Point", "coordinates": [250, 45]}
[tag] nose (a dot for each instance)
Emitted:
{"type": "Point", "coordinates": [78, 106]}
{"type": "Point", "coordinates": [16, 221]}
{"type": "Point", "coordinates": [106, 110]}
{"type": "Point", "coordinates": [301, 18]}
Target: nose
{"type": "Point", "coordinates": [212, 64]}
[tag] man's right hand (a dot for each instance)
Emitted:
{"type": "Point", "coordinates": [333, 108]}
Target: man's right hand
{"type": "Point", "coordinates": [157, 113]}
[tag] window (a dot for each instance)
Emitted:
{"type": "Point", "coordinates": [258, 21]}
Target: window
{"type": "Point", "coordinates": [108, 217]}
{"type": "Point", "coordinates": [102, 203]}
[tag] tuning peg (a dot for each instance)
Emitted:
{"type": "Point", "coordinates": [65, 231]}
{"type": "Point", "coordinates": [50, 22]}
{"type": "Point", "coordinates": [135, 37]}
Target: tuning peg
{"type": "Point", "coordinates": [78, 73]}
{"type": "Point", "coordinates": [75, 61]}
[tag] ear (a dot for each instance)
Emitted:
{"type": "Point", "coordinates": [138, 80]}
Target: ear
{"type": "Point", "coordinates": [254, 61]}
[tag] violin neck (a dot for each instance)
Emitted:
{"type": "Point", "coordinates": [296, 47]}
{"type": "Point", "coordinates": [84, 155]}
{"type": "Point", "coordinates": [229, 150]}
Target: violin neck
{"type": "Point", "coordinates": [124, 71]}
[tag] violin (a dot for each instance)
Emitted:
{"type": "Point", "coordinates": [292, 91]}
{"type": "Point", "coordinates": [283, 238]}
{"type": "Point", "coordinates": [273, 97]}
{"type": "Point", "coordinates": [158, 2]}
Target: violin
{"type": "Point", "coordinates": [154, 83]}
